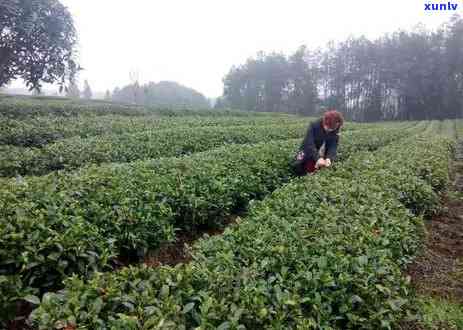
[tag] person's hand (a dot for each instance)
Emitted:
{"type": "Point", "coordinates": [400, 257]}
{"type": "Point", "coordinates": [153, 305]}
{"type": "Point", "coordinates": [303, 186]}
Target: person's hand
{"type": "Point", "coordinates": [320, 163]}
{"type": "Point", "coordinates": [327, 162]}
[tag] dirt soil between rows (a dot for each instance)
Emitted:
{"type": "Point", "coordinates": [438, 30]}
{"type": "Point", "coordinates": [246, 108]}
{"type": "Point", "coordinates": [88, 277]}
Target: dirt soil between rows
{"type": "Point", "coordinates": [179, 251]}
{"type": "Point", "coordinates": [438, 272]}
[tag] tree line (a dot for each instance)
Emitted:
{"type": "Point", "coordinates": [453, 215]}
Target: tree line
{"type": "Point", "coordinates": [414, 75]}
{"type": "Point", "coordinates": [161, 94]}
{"type": "Point", "coordinates": [405, 75]}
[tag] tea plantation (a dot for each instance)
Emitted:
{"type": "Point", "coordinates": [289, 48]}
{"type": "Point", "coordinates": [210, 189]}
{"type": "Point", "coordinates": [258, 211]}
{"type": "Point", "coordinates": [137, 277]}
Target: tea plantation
{"type": "Point", "coordinates": [87, 190]}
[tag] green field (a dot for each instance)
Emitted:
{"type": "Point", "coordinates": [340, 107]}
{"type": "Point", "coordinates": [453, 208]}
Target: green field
{"type": "Point", "coordinates": [89, 189]}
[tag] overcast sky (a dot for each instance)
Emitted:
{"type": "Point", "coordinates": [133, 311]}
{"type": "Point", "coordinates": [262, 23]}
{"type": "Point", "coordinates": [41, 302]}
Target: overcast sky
{"type": "Point", "coordinates": [196, 42]}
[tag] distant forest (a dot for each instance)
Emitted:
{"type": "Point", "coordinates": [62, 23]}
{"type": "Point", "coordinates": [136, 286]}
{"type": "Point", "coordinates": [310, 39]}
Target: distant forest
{"type": "Point", "coordinates": [162, 94]}
{"type": "Point", "coordinates": [405, 75]}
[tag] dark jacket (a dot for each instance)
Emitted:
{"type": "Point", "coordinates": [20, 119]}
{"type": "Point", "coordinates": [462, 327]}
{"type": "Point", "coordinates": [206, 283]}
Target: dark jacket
{"type": "Point", "coordinates": [315, 138]}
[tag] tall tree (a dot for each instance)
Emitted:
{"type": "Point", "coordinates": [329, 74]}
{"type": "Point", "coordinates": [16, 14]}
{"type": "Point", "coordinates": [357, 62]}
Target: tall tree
{"type": "Point", "coordinates": [87, 93]}
{"type": "Point", "coordinates": [107, 95]}
{"type": "Point", "coordinates": [221, 103]}
{"type": "Point", "coordinates": [72, 91]}
{"type": "Point", "coordinates": [37, 42]}
{"type": "Point", "coordinates": [302, 93]}
{"type": "Point", "coordinates": [260, 84]}
{"type": "Point", "coordinates": [453, 94]}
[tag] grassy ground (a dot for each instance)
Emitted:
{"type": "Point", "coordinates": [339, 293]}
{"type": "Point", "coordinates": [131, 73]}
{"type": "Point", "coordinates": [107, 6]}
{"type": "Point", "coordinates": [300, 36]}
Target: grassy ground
{"type": "Point", "coordinates": [439, 313]}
